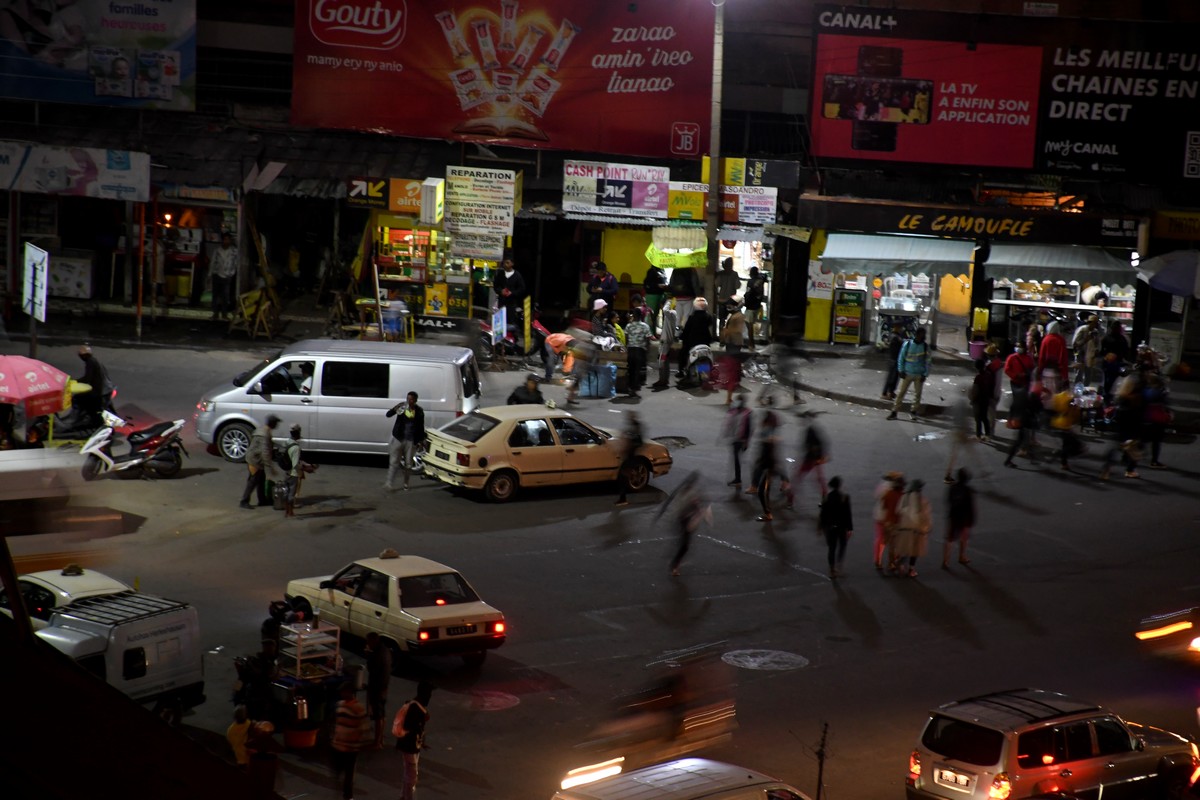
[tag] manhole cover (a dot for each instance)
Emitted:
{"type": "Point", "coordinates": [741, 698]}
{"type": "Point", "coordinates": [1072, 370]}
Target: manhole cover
{"type": "Point", "coordinates": [493, 701]}
{"type": "Point", "coordinates": [673, 441]}
{"type": "Point", "coordinates": [770, 660]}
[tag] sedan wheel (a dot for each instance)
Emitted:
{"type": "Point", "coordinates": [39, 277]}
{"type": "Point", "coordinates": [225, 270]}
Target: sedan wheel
{"type": "Point", "coordinates": [637, 473]}
{"type": "Point", "coordinates": [501, 486]}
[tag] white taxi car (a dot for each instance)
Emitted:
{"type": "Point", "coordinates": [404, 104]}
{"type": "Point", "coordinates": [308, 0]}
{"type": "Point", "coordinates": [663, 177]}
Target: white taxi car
{"type": "Point", "coordinates": [414, 604]}
{"type": "Point", "coordinates": [46, 592]}
{"type": "Point", "coordinates": [503, 448]}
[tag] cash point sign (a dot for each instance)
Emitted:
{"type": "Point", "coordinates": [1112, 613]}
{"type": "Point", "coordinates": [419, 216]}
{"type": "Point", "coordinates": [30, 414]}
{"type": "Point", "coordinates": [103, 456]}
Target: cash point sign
{"type": "Point", "coordinates": [632, 78]}
{"type": "Point", "coordinates": [1093, 98]}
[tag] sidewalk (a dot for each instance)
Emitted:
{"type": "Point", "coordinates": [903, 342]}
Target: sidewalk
{"type": "Point", "coordinates": [856, 374]}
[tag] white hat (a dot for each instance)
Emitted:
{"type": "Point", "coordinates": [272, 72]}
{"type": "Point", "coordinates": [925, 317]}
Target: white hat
{"type": "Point", "coordinates": [599, 304]}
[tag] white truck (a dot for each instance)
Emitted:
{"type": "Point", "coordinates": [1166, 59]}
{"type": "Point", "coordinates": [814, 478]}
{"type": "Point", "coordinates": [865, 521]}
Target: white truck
{"type": "Point", "coordinates": [146, 646]}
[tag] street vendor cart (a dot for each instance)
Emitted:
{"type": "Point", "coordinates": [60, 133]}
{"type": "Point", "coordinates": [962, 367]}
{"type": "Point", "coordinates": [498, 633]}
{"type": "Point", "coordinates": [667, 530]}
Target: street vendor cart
{"type": "Point", "coordinates": [310, 672]}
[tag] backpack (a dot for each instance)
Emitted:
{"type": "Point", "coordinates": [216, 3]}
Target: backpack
{"type": "Point", "coordinates": [282, 459]}
{"type": "Point", "coordinates": [398, 729]}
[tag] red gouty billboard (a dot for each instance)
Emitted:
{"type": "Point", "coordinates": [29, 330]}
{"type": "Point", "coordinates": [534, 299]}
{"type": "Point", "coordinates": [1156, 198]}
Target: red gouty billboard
{"type": "Point", "coordinates": [610, 77]}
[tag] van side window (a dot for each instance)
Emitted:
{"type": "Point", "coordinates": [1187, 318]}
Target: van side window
{"type": "Point", "coordinates": [470, 378]}
{"type": "Point", "coordinates": [133, 663]}
{"type": "Point", "coordinates": [354, 379]}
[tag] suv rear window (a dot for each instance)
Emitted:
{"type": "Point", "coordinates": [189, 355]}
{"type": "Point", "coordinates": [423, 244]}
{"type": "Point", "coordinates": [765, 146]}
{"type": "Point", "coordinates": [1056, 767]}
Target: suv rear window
{"type": "Point", "coordinates": [963, 741]}
{"type": "Point", "coordinates": [470, 428]}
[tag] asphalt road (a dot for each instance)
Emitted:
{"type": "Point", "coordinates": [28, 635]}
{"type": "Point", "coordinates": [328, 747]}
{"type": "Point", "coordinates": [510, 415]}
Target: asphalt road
{"type": "Point", "coordinates": [1063, 566]}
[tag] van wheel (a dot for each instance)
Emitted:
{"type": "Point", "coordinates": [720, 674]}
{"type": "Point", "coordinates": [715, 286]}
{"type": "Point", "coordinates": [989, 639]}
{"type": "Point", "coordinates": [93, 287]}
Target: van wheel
{"type": "Point", "coordinates": [475, 660]}
{"type": "Point", "coordinates": [637, 473]}
{"type": "Point", "coordinates": [501, 486]}
{"type": "Point", "coordinates": [234, 441]}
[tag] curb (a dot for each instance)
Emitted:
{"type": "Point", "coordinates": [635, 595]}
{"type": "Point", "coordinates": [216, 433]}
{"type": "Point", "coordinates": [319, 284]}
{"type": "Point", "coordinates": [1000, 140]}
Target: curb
{"type": "Point", "coordinates": [927, 409]}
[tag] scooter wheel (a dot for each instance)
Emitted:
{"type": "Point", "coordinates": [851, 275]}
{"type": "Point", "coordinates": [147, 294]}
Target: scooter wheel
{"type": "Point", "coordinates": [91, 468]}
{"type": "Point", "coordinates": [168, 466]}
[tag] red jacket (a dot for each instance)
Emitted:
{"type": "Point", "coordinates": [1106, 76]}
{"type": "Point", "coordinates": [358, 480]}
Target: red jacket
{"type": "Point", "coordinates": [1053, 354]}
{"type": "Point", "coordinates": [1017, 367]}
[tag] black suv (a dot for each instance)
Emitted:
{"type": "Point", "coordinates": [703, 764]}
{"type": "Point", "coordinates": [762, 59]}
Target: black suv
{"type": "Point", "coordinates": [1025, 743]}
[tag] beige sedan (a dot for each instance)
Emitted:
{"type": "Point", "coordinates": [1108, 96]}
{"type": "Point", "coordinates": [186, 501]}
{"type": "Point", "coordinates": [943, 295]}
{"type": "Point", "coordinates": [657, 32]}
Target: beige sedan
{"type": "Point", "coordinates": [503, 448]}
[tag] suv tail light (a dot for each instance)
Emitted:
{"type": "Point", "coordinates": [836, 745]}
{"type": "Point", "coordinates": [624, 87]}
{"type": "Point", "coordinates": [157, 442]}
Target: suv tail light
{"type": "Point", "coordinates": [1001, 787]}
{"type": "Point", "coordinates": [914, 767]}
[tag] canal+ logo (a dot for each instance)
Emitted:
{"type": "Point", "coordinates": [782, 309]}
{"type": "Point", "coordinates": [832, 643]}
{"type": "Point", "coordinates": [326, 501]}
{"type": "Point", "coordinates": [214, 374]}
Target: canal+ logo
{"type": "Point", "coordinates": [371, 24]}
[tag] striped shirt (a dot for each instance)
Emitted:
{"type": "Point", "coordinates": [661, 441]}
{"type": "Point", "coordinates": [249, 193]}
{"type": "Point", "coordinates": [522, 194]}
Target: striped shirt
{"type": "Point", "coordinates": [350, 718]}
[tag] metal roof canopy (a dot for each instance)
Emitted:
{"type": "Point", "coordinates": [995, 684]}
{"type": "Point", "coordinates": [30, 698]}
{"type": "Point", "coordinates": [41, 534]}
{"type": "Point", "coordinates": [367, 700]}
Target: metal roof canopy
{"type": "Point", "coordinates": [853, 252]}
{"type": "Point", "coordinates": [1057, 262]}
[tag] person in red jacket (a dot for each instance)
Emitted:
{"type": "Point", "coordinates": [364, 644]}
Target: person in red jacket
{"type": "Point", "coordinates": [1053, 360]}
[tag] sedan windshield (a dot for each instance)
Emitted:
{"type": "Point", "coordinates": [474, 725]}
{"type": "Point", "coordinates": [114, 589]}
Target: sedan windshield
{"type": "Point", "coordinates": [445, 589]}
{"type": "Point", "coordinates": [470, 428]}
{"type": "Point", "coordinates": [243, 377]}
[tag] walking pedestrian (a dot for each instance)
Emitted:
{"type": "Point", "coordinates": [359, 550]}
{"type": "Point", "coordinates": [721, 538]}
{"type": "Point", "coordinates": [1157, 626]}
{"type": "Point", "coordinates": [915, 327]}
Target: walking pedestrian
{"type": "Point", "coordinates": [895, 342]}
{"type": "Point", "coordinates": [666, 339]}
{"type": "Point", "coordinates": [350, 732]}
{"type": "Point", "coordinates": [379, 676]}
{"type": "Point", "coordinates": [837, 523]}
{"type": "Point", "coordinates": [726, 283]}
{"type": "Point", "coordinates": [733, 332]}
{"type": "Point", "coordinates": [260, 462]}
{"type": "Point", "coordinates": [981, 394]}
{"type": "Point", "coordinates": [754, 297]}
{"type": "Point", "coordinates": [1053, 360]}
{"type": "Point", "coordinates": [960, 501]}
{"type": "Point", "coordinates": [1066, 415]}
{"type": "Point", "coordinates": [654, 287]}
{"type": "Point", "coordinates": [995, 365]}
{"type": "Point", "coordinates": [736, 431]}
{"type": "Point", "coordinates": [637, 338]}
{"type": "Point", "coordinates": [767, 466]}
{"type": "Point", "coordinates": [223, 266]}
{"type": "Point", "coordinates": [912, 529]}
{"type": "Point", "coordinates": [913, 366]}
{"type": "Point", "coordinates": [768, 426]}
{"type": "Point", "coordinates": [1127, 420]}
{"type": "Point", "coordinates": [1086, 344]}
{"type": "Point", "coordinates": [1019, 367]}
{"type": "Point", "coordinates": [689, 513]}
{"type": "Point", "coordinates": [1114, 354]}
{"type": "Point", "coordinates": [1027, 414]}
{"type": "Point", "coordinates": [408, 434]}
{"type": "Point", "coordinates": [814, 454]}
{"type": "Point", "coordinates": [631, 440]}
{"type": "Point", "coordinates": [298, 469]}
{"type": "Point", "coordinates": [887, 499]}
{"type": "Point", "coordinates": [409, 730]}
{"type": "Point", "coordinates": [1157, 415]}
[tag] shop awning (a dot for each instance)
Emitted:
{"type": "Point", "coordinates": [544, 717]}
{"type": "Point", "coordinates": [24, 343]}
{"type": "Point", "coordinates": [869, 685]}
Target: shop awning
{"type": "Point", "coordinates": [615, 219]}
{"type": "Point", "coordinates": [853, 252]}
{"type": "Point", "coordinates": [1058, 262]}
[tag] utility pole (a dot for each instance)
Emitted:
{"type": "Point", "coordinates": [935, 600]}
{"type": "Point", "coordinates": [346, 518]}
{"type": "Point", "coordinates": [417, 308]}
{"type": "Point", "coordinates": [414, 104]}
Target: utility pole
{"type": "Point", "coordinates": [821, 760]}
{"type": "Point", "coordinates": [714, 157]}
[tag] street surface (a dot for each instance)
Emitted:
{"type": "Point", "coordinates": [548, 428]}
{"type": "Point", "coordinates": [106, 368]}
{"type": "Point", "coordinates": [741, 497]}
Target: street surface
{"type": "Point", "coordinates": [1062, 568]}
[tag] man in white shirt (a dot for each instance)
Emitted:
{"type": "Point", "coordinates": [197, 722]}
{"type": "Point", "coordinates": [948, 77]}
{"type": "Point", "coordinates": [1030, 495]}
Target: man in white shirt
{"type": "Point", "coordinates": [223, 266]}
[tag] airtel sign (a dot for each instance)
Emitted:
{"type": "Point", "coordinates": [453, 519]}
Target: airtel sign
{"type": "Point", "coordinates": [358, 23]}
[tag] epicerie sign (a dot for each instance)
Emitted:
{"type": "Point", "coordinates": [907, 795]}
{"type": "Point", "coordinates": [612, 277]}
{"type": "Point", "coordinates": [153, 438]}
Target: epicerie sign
{"type": "Point", "coordinates": [377, 25]}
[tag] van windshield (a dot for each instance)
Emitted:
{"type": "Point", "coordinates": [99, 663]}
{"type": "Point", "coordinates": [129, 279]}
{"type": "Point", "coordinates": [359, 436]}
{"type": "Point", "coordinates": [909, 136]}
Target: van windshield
{"type": "Point", "coordinates": [242, 378]}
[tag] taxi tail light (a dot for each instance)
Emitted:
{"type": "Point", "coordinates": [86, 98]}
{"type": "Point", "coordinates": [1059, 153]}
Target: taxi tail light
{"type": "Point", "coordinates": [1001, 787]}
{"type": "Point", "coordinates": [425, 634]}
{"type": "Point", "coordinates": [462, 459]}
{"type": "Point", "coordinates": [497, 627]}
{"type": "Point", "coordinates": [914, 767]}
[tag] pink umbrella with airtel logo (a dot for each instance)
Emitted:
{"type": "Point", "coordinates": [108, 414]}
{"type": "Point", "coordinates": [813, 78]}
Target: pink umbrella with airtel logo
{"type": "Point", "coordinates": [39, 387]}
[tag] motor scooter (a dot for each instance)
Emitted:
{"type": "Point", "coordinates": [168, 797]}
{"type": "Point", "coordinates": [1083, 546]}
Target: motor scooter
{"type": "Point", "coordinates": [157, 450]}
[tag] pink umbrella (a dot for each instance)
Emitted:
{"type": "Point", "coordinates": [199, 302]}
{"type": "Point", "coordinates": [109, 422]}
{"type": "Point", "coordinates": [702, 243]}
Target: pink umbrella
{"type": "Point", "coordinates": [39, 386]}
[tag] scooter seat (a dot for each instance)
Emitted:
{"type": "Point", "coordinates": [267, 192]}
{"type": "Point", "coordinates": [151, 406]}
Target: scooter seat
{"type": "Point", "coordinates": [137, 437]}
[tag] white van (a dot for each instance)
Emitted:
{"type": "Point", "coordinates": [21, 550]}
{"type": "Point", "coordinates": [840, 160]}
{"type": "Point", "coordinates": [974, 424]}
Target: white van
{"type": "Point", "coordinates": [146, 646]}
{"type": "Point", "coordinates": [339, 393]}
{"type": "Point", "coordinates": [685, 779]}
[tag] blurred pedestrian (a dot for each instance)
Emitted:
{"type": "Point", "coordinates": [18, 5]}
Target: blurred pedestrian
{"type": "Point", "coordinates": [960, 502]}
{"type": "Point", "coordinates": [654, 287]}
{"type": "Point", "coordinates": [379, 676]}
{"type": "Point", "coordinates": [260, 462]}
{"type": "Point", "coordinates": [408, 434]}
{"type": "Point", "coordinates": [262, 753]}
{"type": "Point", "coordinates": [690, 512]}
{"type": "Point", "coordinates": [1086, 344]}
{"type": "Point", "coordinates": [754, 297]}
{"type": "Point", "coordinates": [913, 366]}
{"type": "Point", "coordinates": [995, 366]}
{"type": "Point", "coordinates": [556, 346]}
{"type": "Point", "coordinates": [813, 455]}
{"type": "Point", "coordinates": [736, 432]}
{"type": "Point", "coordinates": [409, 729]}
{"type": "Point", "coordinates": [1157, 415]}
{"type": "Point", "coordinates": [887, 499]}
{"type": "Point", "coordinates": [733, 332]}
{"type": "Point", "coordinates": [981, 397]}
{"type": "Point", "coordinates": [637, 339]}
{"type": "Point", "coordinates": [837, 523]}
{"type": "Point", "coordinates": [766, 468]}
{"type": "Point", "coordinates": [1053, 359]}
{"type": "Point", "coordinates": [1114, 354]}
{"type": "Point", "coordinates": [631, 439]}
{"type": "Point", "coordinates": [1065, 416]}
{"type": "Point", "coordinates": [895, 342]}
{"type": "Point", "coordinates": [1019, 368]}
{"type": "Point", "coordinates": [1127, 422]}
{"type": "Point", "coordinates": [351, 731]}
{"type": "Point", "coordinates": [527, 393]}
{"type": "Point", "coordinates": [768, 425]}
{"type": "Point", "coordinates": [237, 733]}
{"type": "Point", "coordinates": [1027, 413]}
{"type": "Point", "coordinates": [912, 529]}
{"type": "Point", "coordinates": [1033, 339]}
